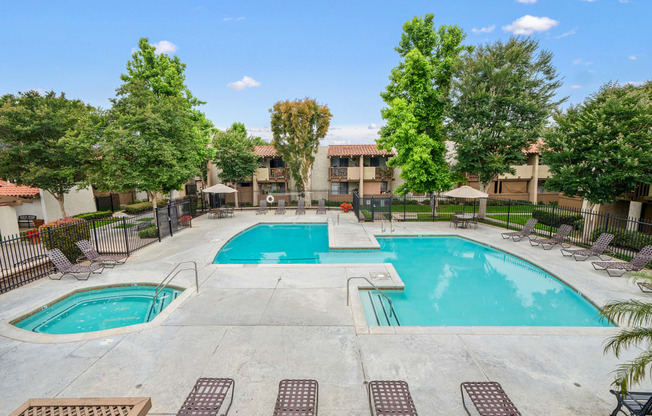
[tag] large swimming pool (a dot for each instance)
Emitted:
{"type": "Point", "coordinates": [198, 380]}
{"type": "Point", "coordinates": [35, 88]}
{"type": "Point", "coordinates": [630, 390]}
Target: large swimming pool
{"type": "Point", "coordinates": [449, 281]}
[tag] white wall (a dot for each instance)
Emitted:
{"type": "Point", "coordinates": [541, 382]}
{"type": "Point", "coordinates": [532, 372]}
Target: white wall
{"type": "Point", "coordinates": [8, 221]}
{"type": "Point", "coordinates": [141, 196]}
{"type": "Point", "coordinates": [35, 208]}
{"type": "Point", "coordinates": [320, 170]}
{"type": "Point", "coordinates": [77, 201]}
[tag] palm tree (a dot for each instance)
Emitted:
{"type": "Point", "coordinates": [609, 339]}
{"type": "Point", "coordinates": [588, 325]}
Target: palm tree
{"type": "Point", "coordinates": [637, 316]}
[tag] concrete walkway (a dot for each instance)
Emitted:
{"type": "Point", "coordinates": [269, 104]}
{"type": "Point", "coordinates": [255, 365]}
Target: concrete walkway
{"type": "Point", "coordinates": [260, 324]}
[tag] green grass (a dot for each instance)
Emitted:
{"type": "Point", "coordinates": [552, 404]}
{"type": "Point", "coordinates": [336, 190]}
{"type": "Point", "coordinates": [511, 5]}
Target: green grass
{"type": "Point", "coordinates": [145, 219]}
{"type": "Point", "coordinates": [117, 227]}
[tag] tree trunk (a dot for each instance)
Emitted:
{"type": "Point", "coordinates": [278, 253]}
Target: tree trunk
{"type": "Point", "coordinates": [307, 184]}
{"type": "Point", "coordinates": [60, 200]}
{"type": "Point", "coordinates": [152, 197]}
{"type": "Point", "coordinates": [589, 223]}
{"type": "Point", "coordinates": [482, 209]}
{"type": "Point", "coordinates": [233, 184]}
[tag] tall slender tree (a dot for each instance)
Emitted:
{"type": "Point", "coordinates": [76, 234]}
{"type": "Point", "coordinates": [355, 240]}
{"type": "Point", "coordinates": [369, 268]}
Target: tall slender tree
{"type": "Point", "coordinates": [417, 95]}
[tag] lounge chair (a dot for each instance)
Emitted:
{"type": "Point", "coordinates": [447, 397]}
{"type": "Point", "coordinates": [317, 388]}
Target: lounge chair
{"type": "Point", "coordinates": [489, 399]}
{"type": "Point", "coordinates": [525, 231]}
{"type": "Point", "coordinates": [262, 209]}
{"type": "Point", "coordinates": [560, 236]}
{"type": "Point", "coordinates": [280, 209]}
{"type": "Point", "coordinates": [207, 397]}
{"type": "Point", "coordinates": [596, 250]}
{"type": "Point", "coordinates": [297, 397]}
{"type": "Point", "coordinates": [95, 257]}
{"type": "Point", "coordinates": [390, 397]}
{"type": "Point", "coordinates": [301, 207]}
{"type": "Point", "coordinates": [321, 208]}
{"type": "Point", "coordinates": [637, 403]}
{"type": "Point", "coordinates": [114, 406]}
{"type": "Point", "coordinates": [455, 220]}
{"type": "Point", "coordinates": [64, 266]}
{"type": "Point", "coordinates": [639, 261]}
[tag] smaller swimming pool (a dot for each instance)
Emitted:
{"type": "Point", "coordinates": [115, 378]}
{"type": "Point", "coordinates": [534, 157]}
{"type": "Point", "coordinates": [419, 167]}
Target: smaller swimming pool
{"type": "Point", "coordinates": [99, 309]}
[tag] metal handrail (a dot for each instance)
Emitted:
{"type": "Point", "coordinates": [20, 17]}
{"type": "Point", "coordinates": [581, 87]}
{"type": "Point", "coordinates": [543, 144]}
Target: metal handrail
{"type": "Point", "coordinates": [164, 284]}
{"type": "Point", "coordinates": [391, 305]}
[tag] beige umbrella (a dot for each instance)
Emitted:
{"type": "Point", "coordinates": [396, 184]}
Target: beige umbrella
{"type": "Point", "coordinates": [465, 192]}
{"type": "Point", "coordinates": [221, 189]}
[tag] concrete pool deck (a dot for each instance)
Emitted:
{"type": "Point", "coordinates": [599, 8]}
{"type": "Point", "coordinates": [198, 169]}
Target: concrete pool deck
{"type": "Point", "coordinates": [259, 324]}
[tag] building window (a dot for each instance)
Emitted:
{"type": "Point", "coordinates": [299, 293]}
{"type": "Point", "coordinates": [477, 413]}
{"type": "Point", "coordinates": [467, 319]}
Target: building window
{"type": "Point", "coordinates": [276, 163]}
{"type": "Point", "coordinates": [340, 162]}
{"type": "Point", "coordinates": [384, 187]}
{"type": "Point", "coordinates": [339, 188]}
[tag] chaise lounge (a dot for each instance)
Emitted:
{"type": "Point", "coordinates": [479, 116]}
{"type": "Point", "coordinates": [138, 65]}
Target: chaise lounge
{"type": "Point", "coordinates": [207, 397]}
{"type": "Point", "coordinates": [262, 209]}
{"type": "Point", "coordinates": [637, 403]}
{"type": "Point", "coordinates": [525, 231]}
{"type": "Point", "coordinates": [297, 397]}
{"type": "Point", "coordinates": [390, 397]}
{"type": "Point", "coordinates": [321, 208]}
{"type": "Point", "coordinates": [64, 266]}
{"type": "Point", "coordinates": [489, 399]}
{"type": "Point", "coordinates": [301, 207]}
{"type": "Point", "coordinates": [560, 236]}
{"type": "Point", "coordinates": [597, 249]}
{"type": "Point", "coordinates": [280, 209]}
{"type": "Point", "coordinates": [639, 261]}
{"type": "Point", "coordinates": [95, 257]}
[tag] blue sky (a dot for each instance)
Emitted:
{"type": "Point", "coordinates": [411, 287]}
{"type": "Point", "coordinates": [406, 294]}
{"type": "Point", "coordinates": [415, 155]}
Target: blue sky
{"type": "Point", "coordinates": [339, 52]}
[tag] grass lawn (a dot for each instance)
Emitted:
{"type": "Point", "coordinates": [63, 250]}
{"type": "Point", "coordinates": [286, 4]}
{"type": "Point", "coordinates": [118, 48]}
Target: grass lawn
{"type": "Point", "coordinates": [145, 219]}
{"type": "Point", "coordinates": [117, 227]}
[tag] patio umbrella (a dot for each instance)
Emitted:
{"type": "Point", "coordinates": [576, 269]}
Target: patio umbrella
{"type": "Point", "coordinates": [465, 192]}
{"type": "Point", "coordinates": [221, 189]}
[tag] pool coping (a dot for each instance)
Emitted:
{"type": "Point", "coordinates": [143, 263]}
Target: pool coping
{"type": "Point", "coordinates": [10, 331]}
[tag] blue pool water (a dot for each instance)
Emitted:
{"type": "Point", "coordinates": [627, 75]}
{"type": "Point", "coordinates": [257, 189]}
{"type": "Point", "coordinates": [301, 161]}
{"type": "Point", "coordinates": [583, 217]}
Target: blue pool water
{"type": "Point", "coordinates": [98, 309]}
{"type": "Point", "coordinates": [449, 281]}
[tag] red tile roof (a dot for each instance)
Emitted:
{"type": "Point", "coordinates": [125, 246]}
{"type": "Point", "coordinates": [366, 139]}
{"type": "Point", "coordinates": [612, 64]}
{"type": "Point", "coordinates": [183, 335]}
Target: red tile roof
{"type": "Point", "coordinates": [265, 151]}
{"type": "Point", "coordinates": [357, 150]}
{"type": "Point", "coordinates": [535, 148]}
{"type": "Point", "coordinates": [11, 189]}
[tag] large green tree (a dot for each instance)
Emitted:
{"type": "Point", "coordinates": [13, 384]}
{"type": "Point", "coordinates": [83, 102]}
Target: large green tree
{"type": "Point", "coordinates": [602, 148]}
{"type": "Point", "coordinates": [234, 154]}
{"type": "Point", "coordinates": [154, 138]}
{"type": "Point", "coordinates": [37, 146]}
{"type": "Point", "coordinates": [502, 96]}
{"type": "Point", "coordinates": [417, 97]}
{"type": "Point", "coordinates": [297, 128]}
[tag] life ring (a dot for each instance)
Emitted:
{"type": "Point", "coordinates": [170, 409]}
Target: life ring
{"type": "Point", "coordinates": [270, 199]}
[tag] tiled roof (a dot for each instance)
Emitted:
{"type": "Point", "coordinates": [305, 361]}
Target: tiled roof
{"type": "Point", "coordinates": [357, 150]}
{"type": "Point", "coordinates": [265, 151]}
{"type": "Point", "coordinates": [10, 189]}
{"type": "Point", "coordinates": [535, 148]}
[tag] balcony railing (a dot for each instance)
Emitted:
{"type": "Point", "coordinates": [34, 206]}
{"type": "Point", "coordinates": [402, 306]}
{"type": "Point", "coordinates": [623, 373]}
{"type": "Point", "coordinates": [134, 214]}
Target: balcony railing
{"type": "Point", "coordinates": [278, 174]}
{"type": "Point", "coordinates": [339, 173]}
{"type": "Point", "coordinates": [384, 173]}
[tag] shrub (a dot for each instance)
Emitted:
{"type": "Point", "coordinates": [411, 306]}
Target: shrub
{"type": "Point", "coordinates": [63, 234]}
{"type": "Point", "coordinates": [624, 238]}
{"type": "Point", "coordinates": [150, 232]}
{"type": "Point", "coordinates": [138, 208]}
{"type": "Point", "coordinates": [560, 217]}
{"type": "Point", "coordinates": [95, 215]}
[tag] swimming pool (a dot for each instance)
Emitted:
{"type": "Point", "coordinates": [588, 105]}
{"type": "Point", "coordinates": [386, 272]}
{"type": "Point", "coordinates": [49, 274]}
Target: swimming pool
{"type": "Point", "coordinates": [449, 281]}
{"type": "Point", "coordinates": [99, 309]}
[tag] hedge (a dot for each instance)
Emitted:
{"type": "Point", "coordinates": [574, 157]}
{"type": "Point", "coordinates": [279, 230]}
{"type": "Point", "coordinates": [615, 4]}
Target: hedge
{"type": "Point", "coordinates": [95, 215]}
{"type": "Point", "coordinates": [561, 217]}
{"type": "Point", "coordinates": [64, 234]}
{"type": "Point", "coordinates": [150, 232]}
{"type": "Point", "coordinates": [624, 238]}
{"type": "Point", "coordinates": [138, 208]}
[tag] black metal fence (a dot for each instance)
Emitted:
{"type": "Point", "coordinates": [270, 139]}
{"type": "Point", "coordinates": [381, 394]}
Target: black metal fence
{"type": "Point", "coordinates": [23, 257]}
{"type": "Point", "coordinates": [630, 234]}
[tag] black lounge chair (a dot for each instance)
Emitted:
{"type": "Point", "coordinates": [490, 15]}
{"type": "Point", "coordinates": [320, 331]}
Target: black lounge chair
{"type": "Point", "coordinates": [560, 236]}
{"type": "Point", "coordinates": [455, 220]}
{"type": "Point", "coordinates": [525, 231]}
{"type": "Point", "coordinates": [639, 261]}
{"type": "Point", "coordinates": [64, 266]}
{"type": "Point", "coordinates": [489, 399]}
{"type": "Point", "coordinates": [390, 397]}
{"type": "Point", "coordinates": [262, 209]}
{"type": "Point", "coordinates": [301, 207]}
{"type": "Point", "coordinates": [597, 249]}
{"type": "Point", "coordinates": [95, 257]}
{"type": "Point", "coordinates": [637, 403]}
{"type": "Point", "coordinates": [207, 397]}
{"type": "Point", "coordinates": [297, 397]}
{"type": "Point", "coordinates": [280, 209]}
{"type": "Point", "coordinates": [321, 207]}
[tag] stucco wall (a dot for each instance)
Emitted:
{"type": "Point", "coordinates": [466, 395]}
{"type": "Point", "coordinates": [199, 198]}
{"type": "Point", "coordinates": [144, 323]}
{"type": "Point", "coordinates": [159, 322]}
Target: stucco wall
{"type": "Point", "coordinates": [320, 170]}
{"type": "Point", "coordinates": [77, 201]}
{"type": "Point", "coordinates": [8, 221]}
{"type": "Point", "coordinates": [35, 208]}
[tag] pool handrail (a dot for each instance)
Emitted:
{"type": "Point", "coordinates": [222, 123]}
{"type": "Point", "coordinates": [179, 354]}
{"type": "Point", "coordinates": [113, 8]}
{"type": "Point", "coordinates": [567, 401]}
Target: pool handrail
{"type": "Point", "coordinates": [165, 283]}
{"type": "Point", "coordinates": [391, 305]}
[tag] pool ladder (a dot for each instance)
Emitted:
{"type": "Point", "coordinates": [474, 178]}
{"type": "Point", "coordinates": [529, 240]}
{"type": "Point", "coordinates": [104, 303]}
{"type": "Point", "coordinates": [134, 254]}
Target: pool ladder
{"type": "Point", "coordinates": [166, 281]}
{"type": "Point", "coordinates": [381, 308]}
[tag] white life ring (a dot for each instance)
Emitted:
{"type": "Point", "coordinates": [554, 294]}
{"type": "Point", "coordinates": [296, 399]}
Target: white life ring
{"type": "Point", "coordinates": [270, 199]}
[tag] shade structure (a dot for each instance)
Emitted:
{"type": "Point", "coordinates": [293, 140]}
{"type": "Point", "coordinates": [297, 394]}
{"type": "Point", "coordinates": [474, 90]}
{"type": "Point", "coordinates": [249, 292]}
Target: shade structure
{"type": "Point", "coordinates": [465, 192]}
{"type": "Point", "coordinates": [219, 189]}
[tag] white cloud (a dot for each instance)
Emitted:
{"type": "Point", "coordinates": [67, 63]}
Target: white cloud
{"type": "Point", "coordinates": [38, 90]}
{"type": "Point", "coordinates": [527, 25]}
{"type": "Point", "coordinates": [580, 61]}
{"type": "Point", "coordinates": [372, 126]}
{"type": "Point", "coordinates": [165, 47]}
{"type": "Point", "coordinates": [487, 29]}
{"type": "Point", "coordinates": [342, 134]}
{"type": "Point", "coordinates": [591, 71]}
{"type": "Point", "coordinates": [526, 1]}
{"type": "Point", "coordinates": [590, 1]}
{"type": "Point", "coordinates": [633, 57]}
{"type": "Point", "coordinates": [575, 87]}
{"type": "Point", "coordinates": [635, 83]}
{"type": "Point", "coordinates": [569, 33]}
{"type": "Point", "coordinates": [237, 19]}
{"type": "Point", "coordinates": [245, 82]}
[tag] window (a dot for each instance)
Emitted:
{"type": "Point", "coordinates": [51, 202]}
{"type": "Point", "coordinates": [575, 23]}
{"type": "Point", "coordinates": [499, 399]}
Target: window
{"type": "Point", "coordinates": [340, 162]}
{"type": "Point", "coordinates": [372, 162]}
{"type": "Point", "coordinates": [384, 187]}
{"type": "Point", "coordinates": [276, 163]}
{"type": "Point", "coordinates": [339, 188]}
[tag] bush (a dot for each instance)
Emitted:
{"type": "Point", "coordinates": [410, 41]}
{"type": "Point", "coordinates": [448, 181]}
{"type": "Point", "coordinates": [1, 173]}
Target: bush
{"type": "Point", "coordinates": [561, 217]}
{"type": "Point", "coordinates": [138, 208]}
{"type": "Point", "coordinates": [624, 238]}
{"type": "Point", "coordinates": [95, 215]}
{"type": "Point", "coordinates": [150, 232]}
{"type": "Point", "coordinates": [63, 234]}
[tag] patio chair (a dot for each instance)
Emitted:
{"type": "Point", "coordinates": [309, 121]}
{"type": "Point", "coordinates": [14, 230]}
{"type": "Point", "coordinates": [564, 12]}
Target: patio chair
{"type": "Point", "coordinates": [596, 250]}
{"type": "Point", "coordinates": [280, 209]}
{"type": "Point", "coordinates": [637, 403]}
{"type": "Point", "coordinates": [321, 208]}
{"type": "Point", "coordinates": [525, 231]}
{"type": "Point", "coordinates": [297, 397]}
{"type": "Point", "coordinates": [639, 261]}
{"type": "Point", "coordinates": [489, 399]}
{"type": "Point", "coordinates": [455, 220]}
{"type": "Point", "coordinates": [390, 397]}
{"type": "Point", "coordinates": [207, 397]}
{"type": "Point", "coordinates": [301, 207]}
{"type": "Point", "coordinates": [560, 236]}
{"type": "Point", "coordinates": [262, 209]}
{"type": "Point", "coordinates": [95, 257]}
{"type": "Point", "coordinates": [64, 266]}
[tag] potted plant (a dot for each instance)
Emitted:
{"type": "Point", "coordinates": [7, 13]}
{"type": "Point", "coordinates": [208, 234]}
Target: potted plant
{"type": "Point", "coordinates": [32, 236]}
{"type": "Point", "coordinates": [346, 206]}
{"type": "Point", "coordinates": [38, 223]}
{"type": "Point", "coordinates": [185, 220]}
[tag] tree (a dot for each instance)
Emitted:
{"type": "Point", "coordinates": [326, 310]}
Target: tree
{"type": "Point", "coordinates": [502, 97]}
{"type": "Point", "coordinates": [297, 128]}
{"type": "Point", "coordinates": [602, 148]}
{"type": "Point", "coordinates": [417, 95]}
{"type": "Point", "coordinates": [154, 139]}
{"type": "Point", "coordinates": [36, 142]}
